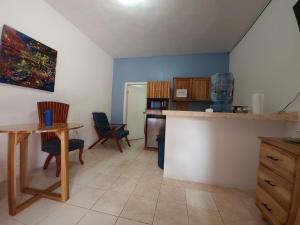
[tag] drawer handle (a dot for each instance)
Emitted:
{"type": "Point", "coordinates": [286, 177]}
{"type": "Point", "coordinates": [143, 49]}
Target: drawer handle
{"type": "Point", "coordinates": [272, 158]}
{"type": "Point", "coordinates": [269, 182]}
{"type": "Point", "coordinates": [267, 207]}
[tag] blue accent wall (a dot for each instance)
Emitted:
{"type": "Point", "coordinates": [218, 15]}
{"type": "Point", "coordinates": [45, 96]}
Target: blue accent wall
{"type": "Point", "coordinates": [161, 68]}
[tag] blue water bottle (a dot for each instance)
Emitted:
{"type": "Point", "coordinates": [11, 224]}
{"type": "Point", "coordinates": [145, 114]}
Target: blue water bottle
{"type": "Point", "coordinates": [48, 118]}
{"type": "Point", "coordinates": [222, 91]}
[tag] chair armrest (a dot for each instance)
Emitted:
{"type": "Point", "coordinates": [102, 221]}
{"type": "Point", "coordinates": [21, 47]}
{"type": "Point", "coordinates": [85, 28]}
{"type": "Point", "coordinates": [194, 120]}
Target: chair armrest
{"type": "Point", "coordinates": [114, 127]}
{"type": "Point", "coordinates": [117, 126]}
{"type": "Point", "coordinates": [109, 126]}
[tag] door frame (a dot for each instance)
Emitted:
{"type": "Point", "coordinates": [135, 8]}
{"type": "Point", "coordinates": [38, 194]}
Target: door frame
{"type": "Point", "coordinates": [125, 101]}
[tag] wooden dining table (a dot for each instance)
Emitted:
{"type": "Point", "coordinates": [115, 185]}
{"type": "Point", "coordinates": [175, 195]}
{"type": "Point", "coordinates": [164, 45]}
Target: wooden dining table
{"type": "Point", "coordinates": [18, 135]}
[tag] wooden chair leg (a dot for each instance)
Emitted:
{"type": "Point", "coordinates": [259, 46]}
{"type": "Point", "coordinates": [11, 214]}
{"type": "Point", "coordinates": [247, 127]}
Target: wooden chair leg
{"type": "Point", "coordinates": [118, 144]}
{"type": "Point", "coordinates": [127, 141]}
{"type": "Point", "coordinates": [80, 156]}
{"type": "Point", "coordinates": [58, 165]}
{"type": "Point", "coordinates": [47, 162]}
{"type": "Point", "coordinates": [95, 143]}
{"type": "Point", "coordinates": [105, 140]}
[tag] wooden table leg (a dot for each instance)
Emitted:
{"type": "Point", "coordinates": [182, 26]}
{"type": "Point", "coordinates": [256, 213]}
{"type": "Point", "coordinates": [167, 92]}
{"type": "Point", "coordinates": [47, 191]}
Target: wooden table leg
{"type": "Point", "coordinates": [64, 138]}
{"type": "Point", "coordinates": [11, 172]}
{"type": "Point", "coordinates": [23, 163]}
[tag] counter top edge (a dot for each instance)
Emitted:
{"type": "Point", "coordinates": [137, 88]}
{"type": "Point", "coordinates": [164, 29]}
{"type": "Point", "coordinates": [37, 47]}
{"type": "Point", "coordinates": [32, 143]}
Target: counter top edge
{"type": "Point", "coordinates": [290, 116]}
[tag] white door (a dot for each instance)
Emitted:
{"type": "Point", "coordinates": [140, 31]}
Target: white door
{"type": "Point", "coordinates": [136, 105]}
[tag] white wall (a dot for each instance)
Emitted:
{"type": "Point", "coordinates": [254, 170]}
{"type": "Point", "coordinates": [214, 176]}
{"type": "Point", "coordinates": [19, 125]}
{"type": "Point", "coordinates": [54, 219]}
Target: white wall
{"type": "Point", "coordinates": [267, 60]}
{"type": "Point", "coordinates": [83, 78]}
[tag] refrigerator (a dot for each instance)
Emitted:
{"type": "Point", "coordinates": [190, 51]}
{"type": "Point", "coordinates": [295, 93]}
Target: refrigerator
{"type": "Point", "coordinates": [153, 126]}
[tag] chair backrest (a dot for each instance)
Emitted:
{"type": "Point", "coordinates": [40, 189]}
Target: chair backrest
{"type": "Point", "coordinates": [101, 122]}
{"type": "Point", "coordinates": [60, 115]}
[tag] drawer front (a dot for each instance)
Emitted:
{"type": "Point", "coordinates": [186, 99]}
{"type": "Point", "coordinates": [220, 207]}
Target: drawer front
{"type": "Point", "coordinates": [279, 188]}
{"type": "Point", "coordinates": [278, 161]}
{"type": "Point", "coordinates": [269, 207]}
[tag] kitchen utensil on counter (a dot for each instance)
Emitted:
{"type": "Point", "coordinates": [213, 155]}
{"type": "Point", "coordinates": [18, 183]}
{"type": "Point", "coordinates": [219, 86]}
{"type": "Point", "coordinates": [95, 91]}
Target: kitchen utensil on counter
{"type": "Point", "coordinates": [209, 110]}
{"type": "Point", "coordinates": [239, 109]}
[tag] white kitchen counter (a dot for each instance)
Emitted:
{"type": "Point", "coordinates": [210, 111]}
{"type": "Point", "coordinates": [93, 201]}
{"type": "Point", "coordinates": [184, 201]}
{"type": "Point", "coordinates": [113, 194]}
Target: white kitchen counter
{"type": "Point", "coordinates": [218, 148]}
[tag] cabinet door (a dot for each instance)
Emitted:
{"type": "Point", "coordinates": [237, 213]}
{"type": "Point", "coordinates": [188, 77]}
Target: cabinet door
{"type": "Point", "coordinates": [158, 89]}
{"type": "Point", "coordinates": [182, 84]}
{"type": "Point", "coordinates": [153, 89]}
{"type": "Point", "coordinates": [165, 89]}
{"type": "Point", "coordinates": [201, 89]}
{"type": "Point", "coordinates": [150, 89]}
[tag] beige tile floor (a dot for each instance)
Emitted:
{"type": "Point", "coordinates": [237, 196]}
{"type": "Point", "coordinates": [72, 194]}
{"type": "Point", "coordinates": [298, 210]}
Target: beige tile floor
{"type": "Point", "coordinates": [129, 189]}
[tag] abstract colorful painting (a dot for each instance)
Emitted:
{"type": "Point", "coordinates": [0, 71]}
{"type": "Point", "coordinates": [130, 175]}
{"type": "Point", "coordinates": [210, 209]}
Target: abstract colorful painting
{"type": "Point", "coordinates": [25, 61]}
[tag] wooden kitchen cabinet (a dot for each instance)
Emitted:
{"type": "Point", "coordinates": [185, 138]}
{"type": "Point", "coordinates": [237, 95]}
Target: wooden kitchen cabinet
{"type": "Point", "coordinates": [158, 89]}
{"type": "Point", "coordinates": [201, 89]}
{"type": "Point", "coordinates": [182, 83]}
{"type": "Point", "coordinates": [198, 89]}
{"type": "Point", "coordinates": [278, 191]}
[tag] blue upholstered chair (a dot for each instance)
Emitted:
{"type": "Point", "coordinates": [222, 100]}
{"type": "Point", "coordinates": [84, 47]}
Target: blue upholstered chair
{"type": "Point", "coordinates": [106, 131]}
{"type": "Point", "coordinates": [50, 142]}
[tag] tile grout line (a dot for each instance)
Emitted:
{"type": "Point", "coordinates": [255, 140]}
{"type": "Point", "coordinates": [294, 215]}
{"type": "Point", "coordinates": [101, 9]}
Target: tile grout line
{"type": "Point", "coordinates": [46, 216]}
{"type": "Point", "coordinates": [105, 191]}
{"type": "Point", "coordinates": [91, 208]}
{"type": "Point", "coordinates": [156, 203]}
{"type": "Point", "coordinates": [218, 210]}
{"type": "Point", "coordinates": [187, 208]}
{"type": "Point", "coordinates": [81, 218]}
{"type": "Point", "coordinates": [129, 195]}
{"type": "Point", "coordinates": [119, 216]}
{"type": "Point", "coordinates": [14, 219]}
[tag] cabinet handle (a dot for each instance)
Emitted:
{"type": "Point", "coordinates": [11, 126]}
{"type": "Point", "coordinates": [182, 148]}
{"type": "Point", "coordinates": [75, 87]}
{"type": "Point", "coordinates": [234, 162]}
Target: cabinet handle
{"type": "Point", "coordinates": [269, 182]}
{"type": "Point", "coordinates": [267, 207]}
{"type": "Point", "coordinates": [272, 158]}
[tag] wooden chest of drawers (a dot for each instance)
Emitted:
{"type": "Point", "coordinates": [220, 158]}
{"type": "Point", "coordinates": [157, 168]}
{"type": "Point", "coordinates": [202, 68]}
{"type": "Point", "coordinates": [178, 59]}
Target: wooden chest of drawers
{"type": "Point", "coordinates": [278, 191]}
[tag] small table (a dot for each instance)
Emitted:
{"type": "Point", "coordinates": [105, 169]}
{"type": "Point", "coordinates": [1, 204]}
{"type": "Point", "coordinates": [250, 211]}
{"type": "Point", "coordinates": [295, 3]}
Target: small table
{"type": "Point", "coordinates": [18, 134]}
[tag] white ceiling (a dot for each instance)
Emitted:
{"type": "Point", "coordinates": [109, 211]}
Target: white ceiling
{"type": "Point", "coordinates": [162, 27]}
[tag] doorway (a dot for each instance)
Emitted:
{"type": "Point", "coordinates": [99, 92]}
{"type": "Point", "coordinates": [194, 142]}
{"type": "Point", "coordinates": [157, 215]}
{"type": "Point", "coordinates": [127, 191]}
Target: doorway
{"type": "Point", "coordinates": [135, 100]}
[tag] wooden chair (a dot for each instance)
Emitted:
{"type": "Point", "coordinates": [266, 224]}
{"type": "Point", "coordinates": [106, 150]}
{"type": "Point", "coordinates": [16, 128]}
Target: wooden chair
{"type": "Point", "coordinates": [106, 131]}
{"type": "Point", "coordinates": [50, 142]}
